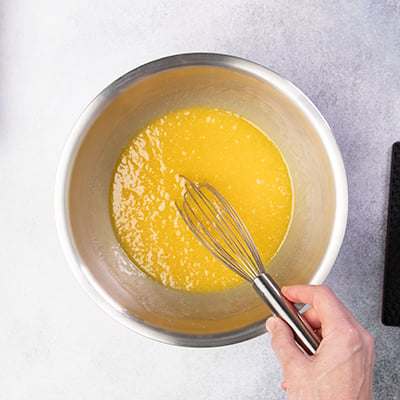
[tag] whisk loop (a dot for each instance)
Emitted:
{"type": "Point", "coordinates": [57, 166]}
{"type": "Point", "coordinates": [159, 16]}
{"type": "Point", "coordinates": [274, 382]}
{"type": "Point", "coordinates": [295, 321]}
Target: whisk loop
{"type": "Point", "coordinates": [219, 228]}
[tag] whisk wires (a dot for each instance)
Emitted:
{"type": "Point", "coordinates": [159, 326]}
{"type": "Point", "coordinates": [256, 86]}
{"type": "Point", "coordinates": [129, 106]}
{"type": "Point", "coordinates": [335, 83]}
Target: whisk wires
{"type": "Point", "coordinates": [219, 228]}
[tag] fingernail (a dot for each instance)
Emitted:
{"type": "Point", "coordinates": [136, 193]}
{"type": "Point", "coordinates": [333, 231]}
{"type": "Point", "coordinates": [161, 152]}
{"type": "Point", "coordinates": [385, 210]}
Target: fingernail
{"type": "Point", "coordinates": [271, 324]}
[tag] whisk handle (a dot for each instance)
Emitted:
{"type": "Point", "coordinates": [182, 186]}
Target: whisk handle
{"type": "Point", "coordinates": [280, 306]}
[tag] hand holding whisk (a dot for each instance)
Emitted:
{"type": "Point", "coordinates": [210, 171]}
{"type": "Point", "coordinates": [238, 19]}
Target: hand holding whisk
{"type": "Point", "coordinates": [219, 228]}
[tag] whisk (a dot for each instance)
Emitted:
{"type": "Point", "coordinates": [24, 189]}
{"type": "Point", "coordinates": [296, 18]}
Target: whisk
{"type": "Point", "coordinates": [219, 228]}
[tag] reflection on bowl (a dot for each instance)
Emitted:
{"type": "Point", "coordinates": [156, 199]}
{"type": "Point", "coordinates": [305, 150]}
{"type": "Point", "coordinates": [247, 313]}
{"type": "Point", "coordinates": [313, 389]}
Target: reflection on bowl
{"type": "Point", "coordinates": [105, 128]}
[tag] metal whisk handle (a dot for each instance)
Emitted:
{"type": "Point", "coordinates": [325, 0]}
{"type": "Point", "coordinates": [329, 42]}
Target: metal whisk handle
{"type": "Point", "coordinates": [281, 307]}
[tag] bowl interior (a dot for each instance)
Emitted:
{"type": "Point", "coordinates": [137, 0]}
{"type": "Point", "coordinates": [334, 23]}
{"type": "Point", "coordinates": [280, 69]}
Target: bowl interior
{"type": "Point", "coordinates": [130, 104]}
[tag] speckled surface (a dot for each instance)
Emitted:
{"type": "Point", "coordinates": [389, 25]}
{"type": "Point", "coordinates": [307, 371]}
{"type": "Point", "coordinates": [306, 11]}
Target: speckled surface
{"type": "Point", "coordinates": [55, 343]}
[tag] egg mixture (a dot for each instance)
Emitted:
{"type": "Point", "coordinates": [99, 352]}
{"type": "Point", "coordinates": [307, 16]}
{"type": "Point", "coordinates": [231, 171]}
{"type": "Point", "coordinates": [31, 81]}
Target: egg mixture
{"type": "Point", "coordinates": [206, 145]}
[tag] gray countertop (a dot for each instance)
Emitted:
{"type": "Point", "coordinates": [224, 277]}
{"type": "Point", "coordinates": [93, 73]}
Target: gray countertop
{"type": "Point", "coordinates": [55, 343]}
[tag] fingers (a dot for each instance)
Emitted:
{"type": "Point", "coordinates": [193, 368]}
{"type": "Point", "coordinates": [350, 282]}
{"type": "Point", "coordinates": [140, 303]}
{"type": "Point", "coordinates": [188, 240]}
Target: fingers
{"type": "Point", "coordinates": [312, 318]}
{"type": "Point", "coordinates": [309, 294]}
{"type": "Point", "coordinates": [326, 309]}
{"type": "Point", "coordinates": [283, 344]}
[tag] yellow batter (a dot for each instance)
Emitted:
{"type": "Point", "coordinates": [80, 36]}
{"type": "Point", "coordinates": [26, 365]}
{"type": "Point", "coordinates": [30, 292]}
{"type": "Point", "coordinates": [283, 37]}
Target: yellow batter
{"type": "Point", "coordinates": [205, 145]}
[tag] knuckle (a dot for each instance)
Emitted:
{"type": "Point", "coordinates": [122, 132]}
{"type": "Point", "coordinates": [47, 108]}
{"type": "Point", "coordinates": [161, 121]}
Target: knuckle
{"type": "Point", "coordinates": [323, 292]}
{"type": "Point", "coordinates": [326, 291]}
{"type": "Point", "coordinates": [369, 348]}
{"type": "Point", "coordinates": [369, 339]}
{"type": "Point", "coordinates": [369, 342]}
{"type": "Point", "coordinates": [358, 339]}
{"type": "Point", "coordinates": [353, 333]}
{"type": "Point", "coordinates": [352, 338]}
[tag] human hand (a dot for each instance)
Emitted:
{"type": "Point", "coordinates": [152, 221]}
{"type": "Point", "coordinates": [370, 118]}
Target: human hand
{"type": "Point", "coordinates": [341, 368]}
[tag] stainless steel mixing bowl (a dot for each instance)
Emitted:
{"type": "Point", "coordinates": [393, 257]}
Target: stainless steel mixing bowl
{"type": "Point", "coordinates": [109, 123]}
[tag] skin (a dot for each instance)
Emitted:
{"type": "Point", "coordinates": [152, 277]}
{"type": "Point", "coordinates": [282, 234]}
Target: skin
{"type": "Point", "coordinates": [342, 366]}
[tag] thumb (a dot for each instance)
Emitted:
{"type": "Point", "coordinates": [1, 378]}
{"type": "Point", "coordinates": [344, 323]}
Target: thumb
{"type": "Point", "coordinates": [283, 344]}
